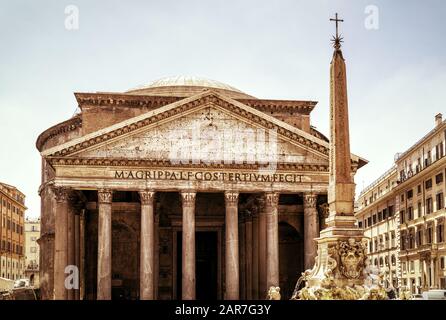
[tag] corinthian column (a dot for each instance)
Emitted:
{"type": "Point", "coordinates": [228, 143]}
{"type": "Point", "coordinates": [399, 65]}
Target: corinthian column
{"type": "Point", "coordinates": [262, 248]}
{"type": "Point", "coordinates": [311, 229]}
{"type": "Point", "coordinates": [60, 242]}
{"type": "Point", "coordinates": [104, 245]}
{"type": "Point", "coordinates": [232, 254]}
{"type": "Point", "coordinates": [255, 256]}
{"type": "Point", "coordinates": [248, 255]}
{"type": "Point", "coordinates": [147, 263]}
{"type": "Point", "coordinates": [188, 280]}
{"type": "Point", "coordinates": [272, 239]}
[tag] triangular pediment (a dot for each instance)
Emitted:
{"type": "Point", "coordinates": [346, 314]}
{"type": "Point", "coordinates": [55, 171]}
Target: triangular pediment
{"type": "Point", "coordinates": [208, 127]}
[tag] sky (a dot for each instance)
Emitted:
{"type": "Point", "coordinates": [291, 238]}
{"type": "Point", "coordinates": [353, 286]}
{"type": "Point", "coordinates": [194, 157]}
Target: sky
{"type": "Point", "coordinates": [394, 50]}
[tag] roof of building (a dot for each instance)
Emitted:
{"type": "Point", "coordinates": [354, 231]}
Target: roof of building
{"type": "Point", "coordinates": [183, 86]}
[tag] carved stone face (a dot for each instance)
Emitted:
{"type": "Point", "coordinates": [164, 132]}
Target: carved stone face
{"type": "Point", "coordinates": [351, 264]}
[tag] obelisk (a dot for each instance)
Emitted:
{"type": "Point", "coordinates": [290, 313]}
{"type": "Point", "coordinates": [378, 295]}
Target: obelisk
{"type": "Point", "coordinates": [341, 250]}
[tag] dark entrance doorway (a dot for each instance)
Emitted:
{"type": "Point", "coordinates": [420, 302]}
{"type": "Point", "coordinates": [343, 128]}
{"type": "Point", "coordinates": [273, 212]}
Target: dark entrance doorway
{"type": "Point", "coordinates": [290, 257]}
{"type": "Point", "coordinates": [206, 264]}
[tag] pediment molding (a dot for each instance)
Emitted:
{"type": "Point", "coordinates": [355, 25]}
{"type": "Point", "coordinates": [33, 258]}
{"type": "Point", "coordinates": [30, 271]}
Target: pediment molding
{"type": "Point", "coordinates": [187, 105]}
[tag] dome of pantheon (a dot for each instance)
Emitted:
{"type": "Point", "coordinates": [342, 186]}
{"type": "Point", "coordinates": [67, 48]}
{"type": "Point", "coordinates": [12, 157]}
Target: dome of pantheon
{"type": "Point", "coordinates": [182, 86]}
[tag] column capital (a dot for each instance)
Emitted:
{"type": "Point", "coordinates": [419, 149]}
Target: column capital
{"type": "Point", "coordinates": [310, 200]}
{"type": "Point", "coordinates": [146, 196]}
{"type": "Point", "coordinates": [272, 199]}
{"type": "Point", "coordinates": [231, 198]}
{"type": "Point", "coordinates": [188, 198]}
{"type": "Point", "coordinates": [105, 196]}
{"type": "Point", "coordinates": [61, 193]}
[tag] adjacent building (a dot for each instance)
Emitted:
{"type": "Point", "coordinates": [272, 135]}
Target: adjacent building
{"type": "Point", "coordinates": [376, 215]}
{"type": "Point", "coordinates": [409, 202]}
{"type": "Point", "coordinates": [32, 234]}
{"type": "Point", "coordinates": [12, 213]}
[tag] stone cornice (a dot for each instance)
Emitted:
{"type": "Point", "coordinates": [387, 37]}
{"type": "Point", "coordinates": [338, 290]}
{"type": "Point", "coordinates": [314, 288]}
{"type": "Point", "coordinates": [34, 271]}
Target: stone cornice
{"type": "Point", "coordinates": [61, 161]}
{"type": "Point", "coordinates": [126, 100]}
{"type": "Point", "coordinates": [66, 126]}
{"type": "Point", "coordinates": [132, 100]}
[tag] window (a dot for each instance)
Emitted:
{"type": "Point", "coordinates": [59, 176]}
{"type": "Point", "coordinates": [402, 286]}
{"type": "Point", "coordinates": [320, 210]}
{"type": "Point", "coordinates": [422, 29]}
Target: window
{"type": "Point", "coordinates": [420, 213]}
{"type": "Point", "coordinates": [429, 207]}
{"type": "Point", "coordinates": [439, 201]}
{"type": "Point", "coordinates": [403, 216]}
{"type": "Point", "coordinates": [374, 219]}
{"type": "Point", "coordinates": [419, 238]}
{"type": "Point", "coordinates": [411, 239]}
{"type": "Point", "coordinates": [412, 266]}
{"type": "Point", "coordinates": [380, 216]}
{"type": "Point", "coordinates": [439, 178]}
{"type": "Point", "coordinates": [393, 259]}
{"type": "Point", "coordinates": [410, 194]}
{"type": "Point", "coordinates": [403, 240]}
{"type": "Point", "coordinates": [385, 213]}
{"type": "Point", "coordinates": [391, 211]}
{"type": "Point", "coordinates": [410, 213]}
{"type": "Point", "coordinates": [440, 232]}
{"type": "Point", "coordinates": [370, 246]}
{"type": "Point", "coordinates": [392, 235]}
{"type": "Point", "coordinates": [429, 235]}
{"type": "Point", "coordinates": [381, 262]}
{"type": "Point", "coordinates": [419, 189]}
{"type": "Point", "coordinates": [386, 260]}
{"type": "Point", "coordinates": [360, 224]}
{"type": "Point", "coordinates": [402, 198]}
{"type": "Point", "coordinates": [369, 221]}
{"type": "Point", "coordinates": [428, 160]}
{"type": "Point", "coordinates": [442, 262]}
{"type": "Point", "coordinates": [403, 267]}
{"type": "Point", "coordinates": [428, 184]}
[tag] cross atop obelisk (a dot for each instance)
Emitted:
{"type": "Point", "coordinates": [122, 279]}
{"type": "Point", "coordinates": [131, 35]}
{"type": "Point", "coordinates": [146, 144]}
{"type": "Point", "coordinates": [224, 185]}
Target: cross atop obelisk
{"type": "Point", "coordinates": [336, 20]}
{"type": "Point", "coordinates": [337, 40]}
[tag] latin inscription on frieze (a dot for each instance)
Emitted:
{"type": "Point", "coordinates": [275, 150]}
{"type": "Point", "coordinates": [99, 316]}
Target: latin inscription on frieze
{"type": "Point", "coordinates": [207, 176]}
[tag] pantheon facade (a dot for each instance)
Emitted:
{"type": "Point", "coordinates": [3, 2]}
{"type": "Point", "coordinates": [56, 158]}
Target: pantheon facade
{"type": "Point", "coordinates": [185, 188]}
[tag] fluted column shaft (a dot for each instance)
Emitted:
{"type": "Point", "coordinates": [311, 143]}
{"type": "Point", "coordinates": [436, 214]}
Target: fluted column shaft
{"type": "Point", "coordinates": [60, 242]}
{"type": "Point", "coordinates": [272, 239]}
{"type": "Point", "coordinates": [232, 246]}
{"type": "Point", "coordinates": [311, 229]}
{"type": "Point", "coordinates": [255, 256]}
{"type": "Point", "coordinates": [248, 256]}
{"type": "Point", "coordinates": [262, 249]}
{"type": "Point", "coordinates": [147, 261]}
{"type": "Point", "coordinates": [104, 245]}
{"type": "Point", "coordinates": [188, 254]}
